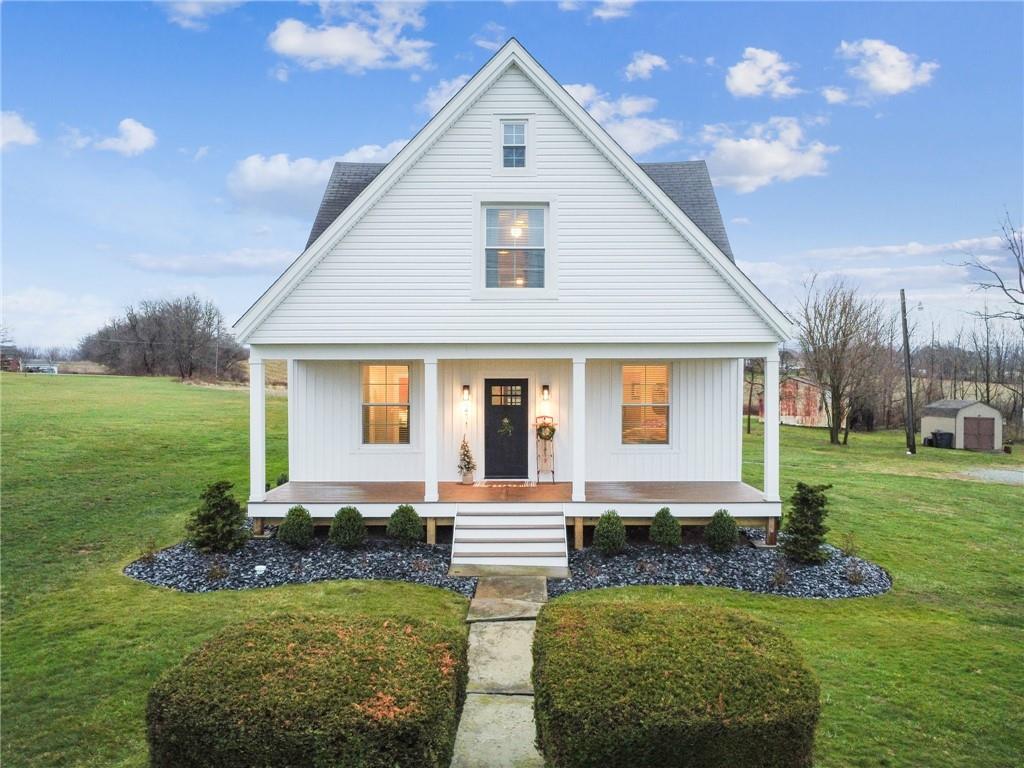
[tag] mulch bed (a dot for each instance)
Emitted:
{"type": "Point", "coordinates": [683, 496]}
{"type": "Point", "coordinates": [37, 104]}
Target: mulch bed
{"type": "Point", "coordinates": [745, 567]}
{"type": "Point", "coordinates": [184, 568]}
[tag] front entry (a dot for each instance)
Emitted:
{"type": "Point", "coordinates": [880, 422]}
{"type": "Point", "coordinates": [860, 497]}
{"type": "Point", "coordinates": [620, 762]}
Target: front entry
{"type": "Point", "coordinates": [506, 429]}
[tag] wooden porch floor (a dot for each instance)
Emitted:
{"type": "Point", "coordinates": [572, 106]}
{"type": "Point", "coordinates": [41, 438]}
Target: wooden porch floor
{"type": "Point", "coordinates": [598, 492]}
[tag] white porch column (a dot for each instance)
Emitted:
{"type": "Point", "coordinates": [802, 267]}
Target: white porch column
{"type": "Point", "coordinates": [771, 427]}
{"type": "Point", "coordinates": [257, 430]}
{"type": "Point", "coordinates": [430, 431]}
{"type": "Point", "coordinates": [579, 429]}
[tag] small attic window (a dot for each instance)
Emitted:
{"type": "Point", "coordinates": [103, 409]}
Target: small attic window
{"type": "Point", "coordinates": [513, 144]}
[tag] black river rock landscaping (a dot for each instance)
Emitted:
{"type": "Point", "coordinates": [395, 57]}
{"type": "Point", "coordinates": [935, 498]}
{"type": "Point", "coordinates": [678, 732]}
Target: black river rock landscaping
{"type": "Point", "coordinates": [183, 568]}
{"type": "Point", "coordinates": [745, 567]}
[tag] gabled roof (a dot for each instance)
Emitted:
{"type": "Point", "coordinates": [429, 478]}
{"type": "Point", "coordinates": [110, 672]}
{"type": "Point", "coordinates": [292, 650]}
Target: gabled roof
{"type": "Point", "coordinates": [946, 408]}
{"type": "Point", "coordinates": [688, 185]}
{"type": "Point", "coordinates": [509, 55]}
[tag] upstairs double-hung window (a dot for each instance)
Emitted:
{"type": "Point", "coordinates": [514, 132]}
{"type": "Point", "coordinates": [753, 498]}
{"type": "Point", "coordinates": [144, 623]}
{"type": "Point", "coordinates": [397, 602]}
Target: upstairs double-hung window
{"type": "Point", "coordinates": [514, 247]}
{"type": "Point", "coordinates": [513, 144]}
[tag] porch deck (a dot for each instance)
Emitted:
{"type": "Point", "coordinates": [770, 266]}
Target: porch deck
{"type": "Point", "coordinates": [619, 492]}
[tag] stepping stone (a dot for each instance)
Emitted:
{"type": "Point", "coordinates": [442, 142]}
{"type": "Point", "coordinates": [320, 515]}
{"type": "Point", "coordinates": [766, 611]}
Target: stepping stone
{"type": "Point", "coordinates": [498, 609]}
{"type": "Point", "coordinates": [532, 589]}
{"type": "Point", "coordinates": [501, 657]}
{"type": "Point", "coordinates": [496, 732]}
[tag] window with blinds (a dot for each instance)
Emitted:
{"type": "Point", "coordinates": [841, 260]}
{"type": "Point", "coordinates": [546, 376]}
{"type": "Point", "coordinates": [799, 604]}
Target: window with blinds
{"type": "Point", "coordinates": [645, 404]}
{"type": "Point", "coordinates": [385, 404]}
{"type": "Point", "coordinates": [514, 247]}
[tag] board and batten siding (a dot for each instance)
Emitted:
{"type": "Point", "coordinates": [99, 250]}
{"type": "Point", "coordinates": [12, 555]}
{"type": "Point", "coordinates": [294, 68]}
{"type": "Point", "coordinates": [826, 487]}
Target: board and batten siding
{"type": "Point", "coordinates": [406, 271]}
{"type": "Point", "coordinates": [325, 433]}
{"type": "Point", "coordinates": [705, 410]}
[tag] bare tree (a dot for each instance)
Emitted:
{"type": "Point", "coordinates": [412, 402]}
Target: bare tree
{"type": "Point", "coordinates": [1011, 285]}
{"type": "Point", "coordinates": [839, 335]}
{"type": "Point", "coordinates": [752, 373]}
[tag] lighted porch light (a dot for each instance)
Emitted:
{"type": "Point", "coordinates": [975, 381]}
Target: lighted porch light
{"type": "Point", "coordinates": [465, 393]}
{"type": "Point", "coordinates": [545, 392]}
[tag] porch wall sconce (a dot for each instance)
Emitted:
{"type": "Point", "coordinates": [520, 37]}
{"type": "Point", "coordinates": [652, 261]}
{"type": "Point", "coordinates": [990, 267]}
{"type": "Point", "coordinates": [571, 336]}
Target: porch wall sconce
{"type": "Point", "coordinates": [545, 392]}
{"type": "Point", "coordinates": [465, 393]}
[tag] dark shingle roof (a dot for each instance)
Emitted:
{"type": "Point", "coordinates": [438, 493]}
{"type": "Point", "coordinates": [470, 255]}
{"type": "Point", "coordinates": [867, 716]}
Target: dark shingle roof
{"type": "Point", "coordinates": [946, 408]}
{"type": "Point", "coordinates": [346, 182]}
{"type": "Point", "coordinates": [687, 184]}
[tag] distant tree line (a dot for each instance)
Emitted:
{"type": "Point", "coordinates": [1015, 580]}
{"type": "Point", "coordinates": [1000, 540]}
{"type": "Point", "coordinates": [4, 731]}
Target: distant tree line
{"type": "Point", "coordinates": [183, 337]}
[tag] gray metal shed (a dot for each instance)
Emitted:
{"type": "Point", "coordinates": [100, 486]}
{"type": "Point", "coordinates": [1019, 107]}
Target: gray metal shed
{"type": "Point", "coordinates": [975, 426]}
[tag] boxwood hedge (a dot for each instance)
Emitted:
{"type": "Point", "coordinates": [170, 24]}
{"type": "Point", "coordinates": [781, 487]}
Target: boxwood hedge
{"type": "Point", "coordinates": [653, 684]}
{"type": "Point", "coordinates": [312, 690]}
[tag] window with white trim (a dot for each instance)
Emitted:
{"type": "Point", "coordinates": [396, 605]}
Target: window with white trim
{"type": "Point", "coordinates": [645, 404]}
{"type": "Point", "coordinates": [513, 144]}
{"type": "Point", "coordinates": [514, 247]}
{"type": "Point", "coordinates": [385, 404]}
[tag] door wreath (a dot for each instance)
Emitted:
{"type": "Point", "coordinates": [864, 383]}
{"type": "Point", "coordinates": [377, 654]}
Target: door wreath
{"type": "Point", "coordinates": [506, 427]}
{"type": "Point", "coordinates": [546, 431]}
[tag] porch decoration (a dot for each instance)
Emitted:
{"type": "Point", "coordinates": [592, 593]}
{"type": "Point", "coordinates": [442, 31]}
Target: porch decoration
{"type": "Point", "coordinates": [506, 427]}
{"type": "Point", "coordinates": [545, 429]}
{"type": "Point", "coordinates": [466, 463]}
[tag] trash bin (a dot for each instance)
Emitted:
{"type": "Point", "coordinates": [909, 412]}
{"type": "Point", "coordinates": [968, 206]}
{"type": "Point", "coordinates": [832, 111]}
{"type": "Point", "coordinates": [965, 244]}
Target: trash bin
{"type": "Point", "coordinates": [942, 439]}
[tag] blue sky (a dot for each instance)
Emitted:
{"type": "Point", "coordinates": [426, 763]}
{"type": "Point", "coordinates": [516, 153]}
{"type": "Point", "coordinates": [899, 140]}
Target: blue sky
{"type": "Point", "coordinates": [155, 149]}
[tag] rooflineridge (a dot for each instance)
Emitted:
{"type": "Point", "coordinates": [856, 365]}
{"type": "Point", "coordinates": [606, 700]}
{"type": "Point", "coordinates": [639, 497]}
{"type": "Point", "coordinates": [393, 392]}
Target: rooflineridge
{"type": "Point", "coordinates": [511, 54]}
{"type": "Point", "coordinates": [688, 185]}
{"type": "Point", "coordinates": [947, 408]}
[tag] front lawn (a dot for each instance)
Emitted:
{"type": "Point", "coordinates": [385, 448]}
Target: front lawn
{"type": "Point", "coordinates": [931, 674]}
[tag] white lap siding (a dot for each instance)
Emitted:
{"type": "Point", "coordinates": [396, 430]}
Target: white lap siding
{"type": "Point", "coordinates": [325, 427]}
{"type": "Point", "coordinates": [704, 429]}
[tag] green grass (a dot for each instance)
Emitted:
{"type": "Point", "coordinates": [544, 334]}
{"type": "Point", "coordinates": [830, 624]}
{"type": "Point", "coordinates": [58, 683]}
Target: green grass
{"type": "Point", "coordinates": [929, 675]}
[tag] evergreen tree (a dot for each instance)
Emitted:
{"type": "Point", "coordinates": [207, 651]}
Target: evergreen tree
{"type": "Point", "coordinates": [805, 525]}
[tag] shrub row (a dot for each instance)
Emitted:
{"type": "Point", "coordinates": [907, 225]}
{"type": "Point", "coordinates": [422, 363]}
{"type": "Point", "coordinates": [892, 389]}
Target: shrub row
{"type": "Point", "coordinates": [347, 527]}
{"type": "Point", "coordinates": [312, 690]}
{"type": "Point", "coordinates": [721, 533]}
{"type": "Point", "coordinates": [631, 684]}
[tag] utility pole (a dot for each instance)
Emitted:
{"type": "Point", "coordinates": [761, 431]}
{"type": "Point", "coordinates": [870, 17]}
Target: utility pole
{"type": "Point", "coordinates": [911, 442]}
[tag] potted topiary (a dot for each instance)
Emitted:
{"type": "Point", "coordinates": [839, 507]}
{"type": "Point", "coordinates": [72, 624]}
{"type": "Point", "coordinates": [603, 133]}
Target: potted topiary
{"type": "Point", "coordinates": [466, 464]}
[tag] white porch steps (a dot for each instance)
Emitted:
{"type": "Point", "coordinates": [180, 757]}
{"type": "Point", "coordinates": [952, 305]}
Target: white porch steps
{"type": "Point", "coordinates": [513, 535]}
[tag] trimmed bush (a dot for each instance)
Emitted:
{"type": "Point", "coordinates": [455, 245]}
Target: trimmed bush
{"type": "Point", "coordinates": [312, 690]}
{"type": "Point", "coordinates": [665, 529]}
{"type": "Point", "coordinates": [805, 524]}
{"type": "Point", "coordinates": [699, 686]}
{"type": "Point", "coordinates": [218, 525]}
{"type": "Point", "coordinates": [347, 529]}
{"type": "Point", "coordinates": [282, 478]}
{"type": "Point", "coordinates": [297, 528]}
{"type": "Point", "coordinates": [405, 525]}
{"type": "Point", "coordinates": [721, 533]}
{"type": "Point", "coordinates": [610, 533]}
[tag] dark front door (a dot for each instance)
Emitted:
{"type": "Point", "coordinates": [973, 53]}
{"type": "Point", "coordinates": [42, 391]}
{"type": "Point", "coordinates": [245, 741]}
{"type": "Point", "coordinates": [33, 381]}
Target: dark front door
{"type": "Point", "coordinates": [506, 430]}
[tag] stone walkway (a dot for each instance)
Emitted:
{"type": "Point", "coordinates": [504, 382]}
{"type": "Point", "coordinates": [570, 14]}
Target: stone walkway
{"type": "Point", "coordinates": [497, 730]}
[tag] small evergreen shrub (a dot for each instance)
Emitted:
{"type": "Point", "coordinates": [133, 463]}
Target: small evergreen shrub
{"type": "Point", "coordinates": [313, 690]}
{"type": "Point", "coordinates": [659, 684]}
{"type": "Point", "coordinates": [805, 524]}
{"type": "Point", "coordinates": [610, 534]}
{"type": "Point", "coordinates": [721, 533]}
{"type": "Point", "coordinates": [347, 529]}
{"type": "Point", "coordinates": [665, 529]}
{"type": "Point", "coordinates": [297, 528]}
{"type": "Point", "coordinates": [282, 478]}
{"type": "Point", "coordinates": [218, 524]}
{"type": "Point", "coordinates": [405, 525]}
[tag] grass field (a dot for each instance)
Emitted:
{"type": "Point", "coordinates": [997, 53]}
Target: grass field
{"type": "Point", "coordinates": [93, 467]}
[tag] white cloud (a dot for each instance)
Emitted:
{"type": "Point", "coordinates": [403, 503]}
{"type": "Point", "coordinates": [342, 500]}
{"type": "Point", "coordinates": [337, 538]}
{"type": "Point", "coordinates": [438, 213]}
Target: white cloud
{"type": "Point", "coordinates": [568, 5]}
{"type": "Point", "coordinates": [45, 317]}
{"type": "Point", "coordinates": [623, 118]}
{"type": "Point", "coordinates": [761, 72]}
{"type": "Point", "coordinates": [72, 138]}
{"type": "Point", "coordinates": [281, 73]}
{"type": "Point", "coordinates": [643, 65]}
{"type": "Point", "coordinates": [739, 220]}
{"type": "Point", "coordinates": [201, 153]}
{"type": "Point", "coordinates": [15, 130]}
{"type": "Point", "coordinates": [194, 15]}
{"type": "Point", "coordinates": [133, 138]}
{"type": "Point", "coordinates": [234, 262]}
{"type": "Point", "coordinates": [607, 10]}
{"type": "Point", "coordinates": [972, 245]}
{"type": "Point", "coordinates": [709, 61]}
{"type": "Point", "coordinates": [372, 38]}
{"type": "Point", "coordinates": [440, 94]}
{"type": "Point", "coordinates": [282, 186]}
{"type": "Point", "coordinates": [834, 94]}
{"type": "Point", "coordinates": [491, 37]}
{"type": "Point", "coordinates": [883, 68]}
{"type": "Point", "coordinates": [776, 150]}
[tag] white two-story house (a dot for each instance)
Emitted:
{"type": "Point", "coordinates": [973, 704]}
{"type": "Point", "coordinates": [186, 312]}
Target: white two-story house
{"type": "Point", "coordinates": [512, 267]}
